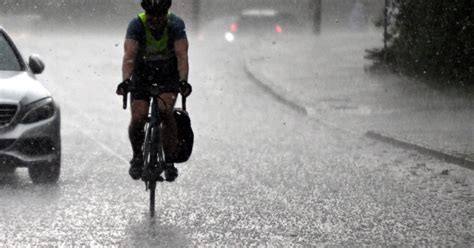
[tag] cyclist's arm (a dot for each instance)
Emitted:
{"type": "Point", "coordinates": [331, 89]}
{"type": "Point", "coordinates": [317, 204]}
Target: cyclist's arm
{"type": "Point", "coordinates": [181, 48]}
{"type": "Point", "coordinates": [128, 63]}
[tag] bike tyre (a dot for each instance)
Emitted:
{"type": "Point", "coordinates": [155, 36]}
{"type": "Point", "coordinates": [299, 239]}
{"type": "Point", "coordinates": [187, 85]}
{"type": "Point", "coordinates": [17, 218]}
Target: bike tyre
{"type": "Point", "coordinates": [152, 188]}
{"type": "Point", "coordinates": [149, 153]}
{"type": "Point", "coordinates": [149, 147]}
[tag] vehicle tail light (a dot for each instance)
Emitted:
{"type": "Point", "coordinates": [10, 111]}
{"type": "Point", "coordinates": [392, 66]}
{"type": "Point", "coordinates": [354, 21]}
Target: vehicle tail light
{"type": "Point", "coordinates": [278, 28]}
{"type": "Point", "coordinates": [234, 27]}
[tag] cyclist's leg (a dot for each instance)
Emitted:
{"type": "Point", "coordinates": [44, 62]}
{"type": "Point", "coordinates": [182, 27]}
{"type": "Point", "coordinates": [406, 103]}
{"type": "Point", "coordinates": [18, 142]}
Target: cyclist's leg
{"type": "Point", "coordinates": [136, 135]}
{"type": "Point", "coordinates": [136, 132]}
{"type": "Point", "coordinates": [140, 102]}
{"type": "Point", "coordinates": [170, 131]}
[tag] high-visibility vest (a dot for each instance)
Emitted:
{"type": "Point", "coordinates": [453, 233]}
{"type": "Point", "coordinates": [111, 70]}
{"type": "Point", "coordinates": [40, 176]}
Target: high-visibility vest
{"type": "Point", "coordinates": [155, 49]}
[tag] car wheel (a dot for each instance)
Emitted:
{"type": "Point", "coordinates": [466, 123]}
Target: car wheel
{"type": "Point", "coordinates": [47, 173]}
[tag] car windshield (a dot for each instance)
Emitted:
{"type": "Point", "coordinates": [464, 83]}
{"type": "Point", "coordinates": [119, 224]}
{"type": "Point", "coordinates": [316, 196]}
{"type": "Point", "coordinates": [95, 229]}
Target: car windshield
{"type": "Point", "coordinates": [257, 21]}
{"type": "Point", "coordinates": [265, 22]}
{"type": "Point", "coordinates": [8, 59]}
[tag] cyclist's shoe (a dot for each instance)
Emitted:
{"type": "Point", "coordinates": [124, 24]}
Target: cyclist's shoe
{"type": "Point", "coordinates": [151, 175]}
{"type": "Point", "coordinates": [136, 165]}
{"type": "Point", "coordinates": [171, 172]}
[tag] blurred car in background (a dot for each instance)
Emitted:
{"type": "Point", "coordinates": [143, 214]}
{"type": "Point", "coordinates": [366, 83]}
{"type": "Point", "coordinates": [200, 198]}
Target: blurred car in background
{"type": "Point", "coordinates": [29, 117]}
{"type": "Point", "coordinates": [259, 23]}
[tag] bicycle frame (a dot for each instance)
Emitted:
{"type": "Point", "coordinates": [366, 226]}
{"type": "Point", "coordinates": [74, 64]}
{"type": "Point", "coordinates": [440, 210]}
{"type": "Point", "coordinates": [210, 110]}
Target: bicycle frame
{"type": "Point", "coordinates": [153, 150]}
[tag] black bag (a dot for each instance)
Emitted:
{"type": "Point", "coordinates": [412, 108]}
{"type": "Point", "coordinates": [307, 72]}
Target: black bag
{"type": "Point", "coordinates": [185, 136]}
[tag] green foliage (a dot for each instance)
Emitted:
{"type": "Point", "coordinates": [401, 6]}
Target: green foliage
{"type": "Point", "coordinates": [433, 38]}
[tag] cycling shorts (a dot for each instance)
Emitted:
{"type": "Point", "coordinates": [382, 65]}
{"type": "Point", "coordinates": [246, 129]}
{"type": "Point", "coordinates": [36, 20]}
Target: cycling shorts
{"type": "Point", "coordinates": [139, 91]}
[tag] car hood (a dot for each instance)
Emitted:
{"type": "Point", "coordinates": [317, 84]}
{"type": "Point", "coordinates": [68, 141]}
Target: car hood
{"type": "Point", "coordinates": [20, 87]}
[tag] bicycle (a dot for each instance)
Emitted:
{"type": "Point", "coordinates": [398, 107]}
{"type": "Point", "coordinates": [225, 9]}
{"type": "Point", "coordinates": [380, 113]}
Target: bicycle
{"type": "Point", "coordinates": [153, 150]}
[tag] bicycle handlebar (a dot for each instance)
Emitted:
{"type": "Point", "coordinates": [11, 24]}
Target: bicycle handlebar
{"type": "Point", "coordinates": [125, 100]}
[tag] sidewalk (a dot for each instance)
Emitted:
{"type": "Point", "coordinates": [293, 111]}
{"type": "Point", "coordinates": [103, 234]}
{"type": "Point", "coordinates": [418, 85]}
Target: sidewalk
{"type": "Point", "coordinates": [324, 77]}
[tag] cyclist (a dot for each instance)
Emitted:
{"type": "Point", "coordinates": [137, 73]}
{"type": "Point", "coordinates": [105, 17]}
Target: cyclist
{"type": "Point", "coordinates": [155, 51]}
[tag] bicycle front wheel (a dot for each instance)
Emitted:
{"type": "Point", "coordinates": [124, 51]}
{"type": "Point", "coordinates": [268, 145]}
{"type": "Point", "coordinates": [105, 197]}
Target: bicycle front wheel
{"type": "Point", "coordinates": [152, 187]}
{"type": "Point", "coordinates": [150, 148]}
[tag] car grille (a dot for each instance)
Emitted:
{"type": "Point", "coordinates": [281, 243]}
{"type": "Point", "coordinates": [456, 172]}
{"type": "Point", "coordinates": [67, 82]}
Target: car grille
{"type": "Point", "coordinates": [7, 112]}
{"type": "Point", "coordinates": [36, 146]}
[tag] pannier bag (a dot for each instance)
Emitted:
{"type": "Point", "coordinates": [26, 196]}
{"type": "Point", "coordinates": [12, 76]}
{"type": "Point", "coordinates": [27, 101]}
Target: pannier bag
{"type": "Point", "coordinates": [185, 136]}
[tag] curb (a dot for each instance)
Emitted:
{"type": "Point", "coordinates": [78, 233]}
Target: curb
{"type": "Point", "coordinates": [449, 158]}
{"type": "Point", "coordinates": [266, 86]}
{"type": "Point", "coordinates": [398, 142]}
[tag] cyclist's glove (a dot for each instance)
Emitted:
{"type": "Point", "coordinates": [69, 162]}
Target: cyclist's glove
{"type": "Point", "coordinates": [123, 87]}
{"type": "Point", "coordinates": [185, 88]}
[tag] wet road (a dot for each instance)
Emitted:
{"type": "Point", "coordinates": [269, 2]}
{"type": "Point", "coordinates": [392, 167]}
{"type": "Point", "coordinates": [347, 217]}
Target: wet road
{"type": "Point", "coordinates": [260, 173]}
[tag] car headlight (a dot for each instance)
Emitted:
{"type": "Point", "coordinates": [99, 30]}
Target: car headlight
{"type": "Point", "coordinates": [229, 37]}
{"type": "Point", "coordinates": [39, 111]}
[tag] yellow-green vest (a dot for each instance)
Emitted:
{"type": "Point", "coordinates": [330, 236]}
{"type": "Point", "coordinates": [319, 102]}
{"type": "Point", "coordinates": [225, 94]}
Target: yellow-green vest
{"type": "Point", "coordinates": [154, 49]}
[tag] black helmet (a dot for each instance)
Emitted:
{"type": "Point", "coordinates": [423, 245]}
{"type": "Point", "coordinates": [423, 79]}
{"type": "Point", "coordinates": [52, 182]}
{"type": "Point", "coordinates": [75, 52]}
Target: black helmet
{"type": "Point", "coordinates": [156, 7]}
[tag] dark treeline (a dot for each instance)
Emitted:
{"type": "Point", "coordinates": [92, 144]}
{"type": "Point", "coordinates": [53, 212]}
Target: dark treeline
{"type": "Point", "coordinates": [432, 39]}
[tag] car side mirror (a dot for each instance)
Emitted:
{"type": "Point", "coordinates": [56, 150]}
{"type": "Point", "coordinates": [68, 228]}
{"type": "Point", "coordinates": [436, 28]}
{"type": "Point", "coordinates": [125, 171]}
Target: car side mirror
{"type": "Point", "coordinates": [36, 64]}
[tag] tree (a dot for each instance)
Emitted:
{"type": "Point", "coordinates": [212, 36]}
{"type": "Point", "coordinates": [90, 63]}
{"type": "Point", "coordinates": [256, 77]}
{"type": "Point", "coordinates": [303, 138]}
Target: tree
{"type": "Point", "coordinates": [433, 38]}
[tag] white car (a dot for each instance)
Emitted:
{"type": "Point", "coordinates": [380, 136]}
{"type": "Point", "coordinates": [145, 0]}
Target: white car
{"type": "Point", "coordinates": [29, 117]}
